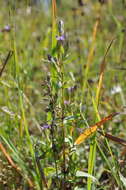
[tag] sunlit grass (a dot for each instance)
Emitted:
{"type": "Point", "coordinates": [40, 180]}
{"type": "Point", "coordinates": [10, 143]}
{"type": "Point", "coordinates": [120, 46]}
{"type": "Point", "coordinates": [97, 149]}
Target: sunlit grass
{"type": "Point", "coordinates": [66, 72]}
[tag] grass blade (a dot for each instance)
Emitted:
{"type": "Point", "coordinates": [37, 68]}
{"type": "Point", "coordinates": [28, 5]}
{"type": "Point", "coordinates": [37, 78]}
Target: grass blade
{"type": "Point", "coordinates": [113, 138]}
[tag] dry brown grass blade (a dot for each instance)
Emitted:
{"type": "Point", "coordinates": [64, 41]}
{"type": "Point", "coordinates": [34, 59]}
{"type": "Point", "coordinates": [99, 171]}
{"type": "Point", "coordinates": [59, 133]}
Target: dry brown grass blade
{"type": "Point", "coordinates": [5, 62]}
{"type": "Point", "coordinates": [10, 161]}
{"type": "Point", "coordinates": [93, 129]}
{"type": "Point", "coordinates": [102, 70]}
{"type": "Point", "coordinates": [113, 138]}
{"type": "Point", "coordinates": [54, 8]}
{"type": "Point", "coordinates": [9, 158]}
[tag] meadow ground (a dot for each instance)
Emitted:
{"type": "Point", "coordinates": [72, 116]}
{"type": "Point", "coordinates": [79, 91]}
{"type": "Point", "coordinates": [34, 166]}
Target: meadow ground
{"type": "Point", "coordinates": [62, 95]}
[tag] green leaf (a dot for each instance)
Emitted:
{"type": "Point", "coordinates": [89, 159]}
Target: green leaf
{"type": "Point", "coordinates": [49, 171]}
{"type": "Point", "coordinates": [78, 188]}
{"type": "Point", "coordinates": [84, 174]}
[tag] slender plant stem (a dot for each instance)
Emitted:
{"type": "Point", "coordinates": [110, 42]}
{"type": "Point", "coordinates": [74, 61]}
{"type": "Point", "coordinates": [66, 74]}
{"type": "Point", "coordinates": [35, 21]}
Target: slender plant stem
{"type": "Point", "coordinates": [63, 128]}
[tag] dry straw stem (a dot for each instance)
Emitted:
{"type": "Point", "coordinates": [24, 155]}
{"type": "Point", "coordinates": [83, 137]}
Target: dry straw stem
{"type": "Point", "coordinates": [93, 129]}
{"type": "Point", "coordinates": [13, 164]}
{"type": "Point", "coordinates": [113, 138]}
{"type": "Point", "coordinates": [54, 8]}
{"type": "Point", "coordinates": [102, 70]}
{"type": "Point", "coordinates": [5, 62]}
{"type": "Point", "coordinates": [91, 52]}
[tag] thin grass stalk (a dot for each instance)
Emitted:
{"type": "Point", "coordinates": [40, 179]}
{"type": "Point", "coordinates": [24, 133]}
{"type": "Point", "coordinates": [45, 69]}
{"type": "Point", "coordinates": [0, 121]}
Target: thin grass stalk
{"type": "Point", "coordinates": [107, 143]}
{"type": "Point", "coordinates": [17, 78]}
{"type": "Point", "coordinates": [91, 162]}
{"type": "Point", "coordinates": [102, 70]}
{"type": "Point", "coordinates": [84, 83]}
{"type": "Point", "coordinates": [27, 133]}
{"type": "Point", "coordinates": [103, 66]}
{"type": "Point", "coordinates": [53, 141]}
{"type": "Point", "coordinates": [43, 181]}
{"type": "Point", "coordinates": [5, 62]}
{"type": "Point", "coordinates": [109, 166]}
{"type": "Point", "coordinates": [92, 153]}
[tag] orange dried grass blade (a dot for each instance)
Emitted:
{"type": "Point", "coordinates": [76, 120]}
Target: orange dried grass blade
{"type": "Point", "coordinates": [8, 158]}
{"type": "Point", "coordinates": [13, 164]}
{"type": "Point", "coordinates": [86, 134]}
{"type": "Point", "coordinates": [54, 8]}
{"type": "Point", "coordinates": [93, 129]}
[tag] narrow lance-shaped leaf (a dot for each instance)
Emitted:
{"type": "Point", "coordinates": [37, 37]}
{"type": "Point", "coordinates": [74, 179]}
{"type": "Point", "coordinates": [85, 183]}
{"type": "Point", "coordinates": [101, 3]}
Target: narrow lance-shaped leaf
{"type": "Point", "coordinates": [93, 129]}
{"type": "Point", "coordinates": [102, 70]}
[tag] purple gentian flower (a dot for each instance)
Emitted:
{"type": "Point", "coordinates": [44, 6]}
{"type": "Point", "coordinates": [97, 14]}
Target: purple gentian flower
{"type": "Point", "coordinates": [66, 102]}
{"type": "Point", "coordinates": [45, 126]}
{"type": "Point", "coordinates": [60, 38]}
{"type": "Point", "coordinates": [6, 28]}
{"type": "Point", "coordinates": [72, 88]}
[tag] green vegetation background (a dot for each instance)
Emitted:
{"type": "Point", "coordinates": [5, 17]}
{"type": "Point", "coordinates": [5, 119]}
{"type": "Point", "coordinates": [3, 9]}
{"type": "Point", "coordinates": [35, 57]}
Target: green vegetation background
{"type": "Point", "coordinates": [24, 98]}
